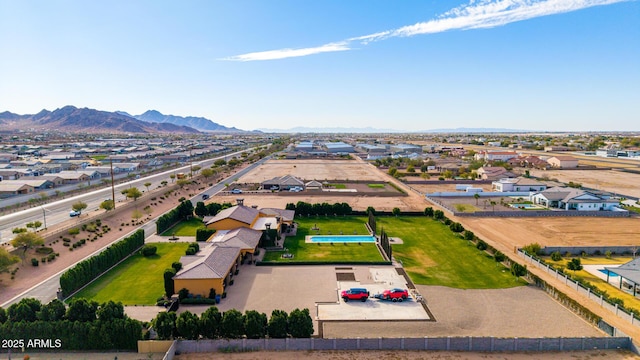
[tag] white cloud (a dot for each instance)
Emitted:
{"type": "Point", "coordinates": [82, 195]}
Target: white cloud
{"type": "Point", "coordinates": [289, 53]}
{"type": "Point", "coordinates": [475, 15]}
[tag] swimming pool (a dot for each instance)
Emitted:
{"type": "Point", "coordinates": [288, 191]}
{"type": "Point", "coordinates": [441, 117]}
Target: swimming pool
{"type": "Point", "coordinates": [611, 273]}
{"type": "Point", "coordinates": [341, 238]}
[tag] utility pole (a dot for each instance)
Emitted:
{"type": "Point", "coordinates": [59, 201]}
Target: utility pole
{"type": "Point", "coordinates": [113, 191]}
{"type": "Point", "coordinates": [190, 165]}
{"type": "Point", "coordinates": [44, 217]}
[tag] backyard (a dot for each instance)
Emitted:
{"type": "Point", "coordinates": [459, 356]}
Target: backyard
{"type": "Point", "coordinates": [327, 252]}
{"type": "Point", "coordinates": [430, 252]}
{"type": "Point", "coordinates": [136, 281]}
{"type": "Point", "coordinates": [433, 255]}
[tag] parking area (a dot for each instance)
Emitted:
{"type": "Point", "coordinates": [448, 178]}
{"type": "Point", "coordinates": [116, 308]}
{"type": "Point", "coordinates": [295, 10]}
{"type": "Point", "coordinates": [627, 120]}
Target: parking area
{"type": "Point", "coordinates": [375, 280]}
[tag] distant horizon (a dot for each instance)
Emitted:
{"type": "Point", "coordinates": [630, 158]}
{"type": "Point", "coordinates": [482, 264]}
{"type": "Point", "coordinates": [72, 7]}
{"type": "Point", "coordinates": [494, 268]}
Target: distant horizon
{"type": "Point", "coordinates": [544, 65]}
{"type": "Point", "coordinates": [357, 130]}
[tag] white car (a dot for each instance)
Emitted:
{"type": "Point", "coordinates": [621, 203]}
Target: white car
{"type": "Point", "coordinates": [73, 213]}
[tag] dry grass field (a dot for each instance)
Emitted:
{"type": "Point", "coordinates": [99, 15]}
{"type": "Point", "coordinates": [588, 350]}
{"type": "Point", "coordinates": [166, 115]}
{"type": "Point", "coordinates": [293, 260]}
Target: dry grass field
{"type": "Point", "coordinates": [608, 180]}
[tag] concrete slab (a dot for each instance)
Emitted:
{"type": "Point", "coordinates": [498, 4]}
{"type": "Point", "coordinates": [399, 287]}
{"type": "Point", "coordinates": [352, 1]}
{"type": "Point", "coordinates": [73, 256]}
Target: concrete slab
{"type": "Point", "coordinates": [376, 280]}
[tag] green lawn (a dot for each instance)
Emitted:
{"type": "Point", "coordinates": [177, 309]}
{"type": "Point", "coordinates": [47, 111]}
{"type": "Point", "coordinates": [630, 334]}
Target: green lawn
{"type": "Point", "coordinates": [326, 252]}
{"type": "Point", "coordinates": [137, 280]}
{"type": "Point", "coordinates": [432, 255]}
{"type": "Point", "coordinates": [99, 157]}
{"type": "Point", "coordinates": [185, 228]}
{"type": "Point", "coordinates": [465, 207]}
{"type": "Point", "coordinates": [337, 186]}
{"type": "Point", "coordinates": [376, 186]}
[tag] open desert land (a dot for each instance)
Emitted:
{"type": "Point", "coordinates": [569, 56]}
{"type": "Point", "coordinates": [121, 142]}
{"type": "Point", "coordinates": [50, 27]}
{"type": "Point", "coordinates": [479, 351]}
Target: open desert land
{"type": "Point", "coordinates": [618, 182]}
{"type": "Point", "coordinates": [313, 170]}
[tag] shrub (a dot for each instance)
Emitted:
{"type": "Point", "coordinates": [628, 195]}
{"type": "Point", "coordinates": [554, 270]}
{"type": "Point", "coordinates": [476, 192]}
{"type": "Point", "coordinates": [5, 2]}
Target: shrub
{"type": "Point", "coordinates": [556, 256]}
{"type": "Point", "coordinates": [183, 294]}
{"type": "Point", "coordinates": [456, 227]}
{"type": "Point", "coordinates": [533, 249]}
{"type": "Point", "coordinates": [498, 256]}
{"type": "Point", "coordinates": [34, 262]}
{"type": "Point", "coordinates": [44, 250]}
{"type": "Point", "coordinates": [447, 221]}
{"type": "Point", "coordinates": [469, 235]}
{"type": "Point", "coordinates": [481, 245]}
{"type": "Point", "coordinates": [176, 266]}
{"type": "Point", "coordinates": [190, 251]}
{"type": "Point", "coordinates": [204, 234]}
{"type": "Point", "coordinates": [149, 250]}
{"type": "Point", "coordinates": [608, 254]}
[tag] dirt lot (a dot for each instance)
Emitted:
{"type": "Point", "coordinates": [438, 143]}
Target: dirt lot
{"type": "Point", "coordinates": [608, 180]}
{"type": "Point", "coordinates": [313, 170]}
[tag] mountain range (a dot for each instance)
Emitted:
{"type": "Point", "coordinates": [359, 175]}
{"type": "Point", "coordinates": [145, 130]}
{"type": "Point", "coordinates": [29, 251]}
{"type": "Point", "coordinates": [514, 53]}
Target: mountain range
{"type": "Point", "coordinates": [73, 119]}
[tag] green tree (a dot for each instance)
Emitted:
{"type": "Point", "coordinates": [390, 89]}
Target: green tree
{"type": "Point", "coordinates": [3, 316]}
{"type": "Point", "coordinates": [133, 193]}
{"type": "Point", "coordinates": [255, 324]}
{"type": "Point", "coordinates": [6, 260]}
{"type": "Point", "coordinates": [277, 326]}
{"type": "Point", "coordinates": [147, 184]}
{"type": "Point", "coordinates": [188, 325]}
{"type": "Point", "coordinates": [26, 241]}
{"type": "Point", "coordinates": [110, 311]}
{"type": "Point", "coordinates": [556, 256]}
{"type": "Point", "coordinates": [428, 211]}
{"type": "Point", "coordinates": [165, 325]}
{"type": "Point", "coordinates": [371, 210]}
{"type": "Point", "coordinates": [533, 249]}
{"type": "Point", "coordinates": [18, 230]}
{"type": "Point", "coordinates": [82, 310]}
{"type": "Point", "coordinates": [518, 270]}
{"type": "Point", "coordinates": [207, 173]}
{"type": "Point", "coordinates": [411, 169]}
{"type": "Point", "coordinates": [210, 323]}
{"type": "Point", "coordinates": [232, 324]}
{"type": "Point", "coordinates": [201, 209]}
{"type": "Point", "coordinates": [107, 205]}
{"type": "Point", "coordinates": [438, 215]}
{"type": "Point", "coordinates": [575, 264]}
{"type": "Point", "coordinates": [476, 196]}
{"type": "Point", "coordinates": [183, 182]}
{"type": "Point", "coordinates": [300, 323]}
{"type": "Point", "coordinates": [25, 310]}
{"type": "Point", "coordinates": [79, 206]}
{"type": "Point", "coordinates": [53, 311]}
{"type": "Point", "coordinates": [392, 171]}
{"type": "Point", "coordinates": [219, 162]}
{"type": "Point", "coordinates": [395, 211]}
{"type": "Point", "coordinates": [172, 177]}
{"type": "Point", "coordinates": [169, 289]}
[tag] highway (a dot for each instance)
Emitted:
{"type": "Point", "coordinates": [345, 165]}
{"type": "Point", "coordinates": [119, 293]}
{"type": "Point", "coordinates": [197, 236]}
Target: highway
{"type": "Point", "coordinates": [46, 290]}
{"type": "Point", "coordinates": [58, 211]}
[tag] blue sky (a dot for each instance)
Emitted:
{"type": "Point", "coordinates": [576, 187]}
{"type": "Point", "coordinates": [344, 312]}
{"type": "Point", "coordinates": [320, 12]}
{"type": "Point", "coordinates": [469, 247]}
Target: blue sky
{"type": "Point", "coordinates": [554, 65]}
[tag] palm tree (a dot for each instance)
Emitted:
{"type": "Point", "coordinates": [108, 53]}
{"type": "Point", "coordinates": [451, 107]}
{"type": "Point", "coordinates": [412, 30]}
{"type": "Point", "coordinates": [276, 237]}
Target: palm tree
{"type": "Point", "coordinates": [476, 196]}
{"type": "Point", "coordinates": [147, 184]}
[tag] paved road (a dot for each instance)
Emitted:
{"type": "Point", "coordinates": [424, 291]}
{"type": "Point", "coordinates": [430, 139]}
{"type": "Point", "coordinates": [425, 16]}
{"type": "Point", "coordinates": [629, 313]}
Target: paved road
{"type": "Point", "coordinates": [46, 290]}
{"type": "Point", "coordinates": [58, 211]}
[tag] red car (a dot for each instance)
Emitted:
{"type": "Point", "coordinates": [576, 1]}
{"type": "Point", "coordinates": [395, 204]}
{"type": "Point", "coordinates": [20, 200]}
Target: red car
{"type": "Point", "coordinates": [395, 294]}
{"type": "Point", "coordinates": [355, 294]}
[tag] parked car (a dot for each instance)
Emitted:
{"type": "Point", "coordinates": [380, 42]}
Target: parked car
{"type": "Point", "coordinates": [205, 196]}
{"type": "Point", "coordinates": [236, 191]}
{"type": "Point", "coordinates": [73, 213]}
{"type": "Point", "coordinates": [361, 294]}
{"type": "Point", "coordinates": [395, 294]}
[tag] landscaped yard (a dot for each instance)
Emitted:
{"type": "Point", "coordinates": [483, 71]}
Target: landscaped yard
{"type": "Point", "coordinates": [465, 208]}
{"type": "Point", "coordinates": [337, 252]}
{"type": "Point", "coordinates": [433, 255]}
{"type": "Point", "coordinates": [137, 280]}
{"type": "Point", "coordinates": [185, 228]}
{"type": "Point", "coordinates": [337, 186]}
{"type": "Point", "coordinates": [629, 300]}
{"type": "Point", "coordinates": [376, 186]}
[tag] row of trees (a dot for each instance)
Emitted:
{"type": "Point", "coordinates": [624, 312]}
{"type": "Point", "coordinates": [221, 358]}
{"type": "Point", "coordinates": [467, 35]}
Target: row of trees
{"type": "Point", "coordinates": [87, 270]}
{"type": "Point", "coordinates": [232, 324]}
{"type": "Point", "coordinates": [305, 209]}
{"type": "Point", "coordinates": [181, 212]}
{"type": "Point", "coordinates": [211, 209]}
{"type": "Point", "coordinates": [84, 325]}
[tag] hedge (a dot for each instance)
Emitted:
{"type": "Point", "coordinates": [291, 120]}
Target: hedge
{"type": "Point", "coordinates": [204, 234]}
{"type": "Point", "coordinates": [117, 334]}
{"type": "Point", "coordinates": [180, 212]}
{"type": "Point", "coordinates": [87, 270]}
